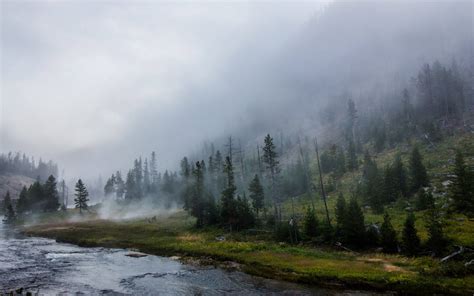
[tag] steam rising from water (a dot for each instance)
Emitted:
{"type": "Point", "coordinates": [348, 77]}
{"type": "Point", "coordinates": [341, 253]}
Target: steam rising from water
{"type": "Point", "coordinates": [113, 210]}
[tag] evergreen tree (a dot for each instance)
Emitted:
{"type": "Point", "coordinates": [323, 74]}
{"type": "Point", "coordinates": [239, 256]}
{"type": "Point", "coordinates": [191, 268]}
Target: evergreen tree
{"type": "Point", "coordinates": [36, 196]}
{"type": "Point", "coordinates": [270, 158]}
{"type": "Point", "coordinates": [340, 212]}
{"type": "Point", "coordinates": [153, 172]}
{"type": "Point", "coordinates": [310, 223]}
{"type": "Point", "coordinates": [388, 236]}
{"type": "Point", "coordinates": [340, 168]}
{"type": "Point", "coordinates": [185, 168]}
{"type": "Point", "coordinates": [399, 172]}
{"type": "Point", "coordinates": [109, 187]}
{"type": "Point", "coordinates": [22, 206]}
{"type": "Point", "coordinates": [51, 195]}
{"type": "Point", "coordinates": [228, 203]}
{"type": "Point", "coordinates": [130, 186]}
{"type": "Point", "coordinates": [410, 239]}
{"type": "Point", "coordinates": [424, 200]}
{"type": "Point", "coordinates": [418, 175]}
{"type": "Point", "coordinates": [81, 196]}
{"type": "Point", "coordinates": [10, 216]}
{"type": "Point", "coordinates": [256, 194]}
{"type": "Point", "coordinates": [436, 240]}
{"type": "Point", "coordinates": [120, 186]}
{"type": "Point", "coordinates": [197, 198]}
{"type": "Point", "coordinates": [146, 178]}
{"type": "Point", "coordinates": [390, 185]}
{"type": "Point", "coordinates": [373, 184]}
{"type": "Point", "coordinates": [354, 225]}
{"type": "Point", "coordinates": [352, 162]}
{"type": "Point", "coordinates": [461, 190]}
{"type": "Point", "coordinates": [245, 217]}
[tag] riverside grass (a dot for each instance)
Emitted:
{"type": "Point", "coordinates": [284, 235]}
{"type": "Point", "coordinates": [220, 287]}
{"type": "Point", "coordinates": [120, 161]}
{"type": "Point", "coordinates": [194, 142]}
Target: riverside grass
{"type": "Point", "coordinates": [258, 255]}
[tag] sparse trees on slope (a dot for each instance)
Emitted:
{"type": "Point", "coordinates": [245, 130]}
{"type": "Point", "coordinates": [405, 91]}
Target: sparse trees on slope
{"type": "Point", "coordinates": [81, 196]}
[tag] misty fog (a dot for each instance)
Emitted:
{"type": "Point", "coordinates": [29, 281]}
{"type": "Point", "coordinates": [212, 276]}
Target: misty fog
{"type": "Point", "coordinates": [94, 85]}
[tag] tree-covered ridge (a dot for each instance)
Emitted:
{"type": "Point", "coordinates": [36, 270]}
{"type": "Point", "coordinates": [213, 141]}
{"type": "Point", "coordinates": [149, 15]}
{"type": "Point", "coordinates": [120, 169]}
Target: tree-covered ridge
{"type": "Point", "coordinates": [17, 163]}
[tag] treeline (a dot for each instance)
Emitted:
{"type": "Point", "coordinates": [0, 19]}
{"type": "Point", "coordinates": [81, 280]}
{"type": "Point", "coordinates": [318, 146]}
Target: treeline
{"type": "Point", "coordinates": [16, 163]}
{"type": "Point", "coordinates": [144, 181]}
{"type": "Point", "coordinates": [43, 198]}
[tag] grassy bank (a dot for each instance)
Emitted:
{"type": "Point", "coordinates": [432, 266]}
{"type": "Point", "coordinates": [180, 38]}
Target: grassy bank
{"type": "Point", "coordinates": [258, 255]}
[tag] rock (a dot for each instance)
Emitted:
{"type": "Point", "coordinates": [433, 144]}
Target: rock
{"type": "Point", "coordinates": [220, 238]}
{"type": "Point", "coordinates": [136, 255]}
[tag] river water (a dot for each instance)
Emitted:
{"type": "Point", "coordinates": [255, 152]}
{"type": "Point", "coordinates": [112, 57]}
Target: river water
{"type": "Point", "coordinates": [46, 267]}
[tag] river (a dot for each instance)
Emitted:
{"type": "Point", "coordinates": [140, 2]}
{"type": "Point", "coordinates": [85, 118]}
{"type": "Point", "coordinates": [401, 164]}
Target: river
{"type": "Point", "coordinates": [46, 267]}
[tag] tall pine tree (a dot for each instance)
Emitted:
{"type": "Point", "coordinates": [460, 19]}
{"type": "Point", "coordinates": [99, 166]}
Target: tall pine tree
{"type": "Point", "coordinates": [418, 175]}
{"type": "Point", "coordinates": [81, 196]}
{"type": "Point", "coordinates": [461, 190]}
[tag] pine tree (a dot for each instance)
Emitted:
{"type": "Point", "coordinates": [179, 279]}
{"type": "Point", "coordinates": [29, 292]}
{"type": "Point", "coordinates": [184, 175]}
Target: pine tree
{"type": "Point", "coordinates": [388, 236]}
{"type": "Point", "coordinates": [310, 223]}
{"type": "Point", "coordinates": [390, 185]}
{"type": "Point", "coordinates": [197, 198]}
{"type": "Point", "coordinates": [185, 168]}
{"type": "Point", "coordinates": [109, 187]}
{"type": "Point", "coordinates": [228, 203]}
{"type": "Point", "coordinates": [461, 190]}
{"type": "Point", "coordinates": [340, 212]}
{"type": "Point", "coordinates": [436, 240]}
{"type": "Point", "coordinates": [256, 194]}
{"type": "Point", "coordinates": [410, 239]}
{"type": "Point", "coordinates": [51, 195]}
{"type": "Point", "coordinates": [399, 172]}
{"type": "Point", "coordinates": [424, 200]}
{"type": "Point", "coordinates": [36, 196]}
{"type": "Point", "coordinates": [81, 196]}
{"type": "Point", "coordinates": [120, 186]}
{"type": "Point", "coordinates": [354, 225]}
{"type": "Point", "coordinates": [245, 217]}
{"type": "Point", "coordinates": [270, 158]}
{"type": "Point", "coordinates": [352, 162]}
{"type": "Point", "coordinates": [373, 184]}
{"type": "Point", "coordinates": [10, 215]}
{"type": "Point", "coordinates": [130, 186]}
{"type": "Point", "coordinates": [22, 206]}
{"type": "Point", "coordinates": [418, 175]}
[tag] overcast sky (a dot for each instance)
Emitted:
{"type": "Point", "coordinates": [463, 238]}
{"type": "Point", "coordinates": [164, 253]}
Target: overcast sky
{"type": "Point", "coordinates": [93, 84]}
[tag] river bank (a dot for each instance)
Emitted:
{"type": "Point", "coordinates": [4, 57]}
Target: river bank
{"type": "Point", "coordinates": [255, 255]}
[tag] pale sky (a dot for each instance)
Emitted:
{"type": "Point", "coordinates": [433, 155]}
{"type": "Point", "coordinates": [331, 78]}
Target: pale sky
{"type": "Point", "coordinates": [79, 79]}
